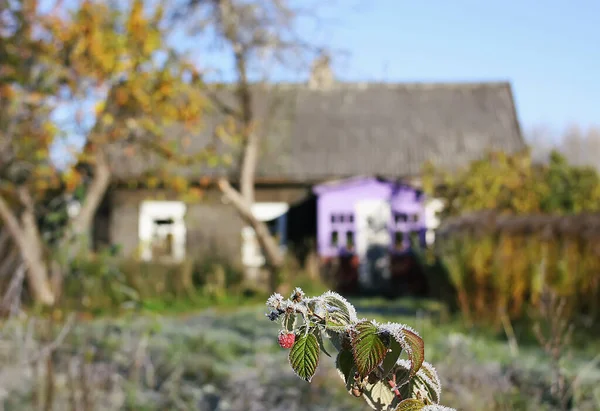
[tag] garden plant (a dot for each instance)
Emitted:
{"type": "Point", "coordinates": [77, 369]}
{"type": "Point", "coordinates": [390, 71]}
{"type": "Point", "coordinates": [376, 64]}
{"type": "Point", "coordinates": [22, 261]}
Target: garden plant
{"type": "Point", "coordinates": [370, 358]}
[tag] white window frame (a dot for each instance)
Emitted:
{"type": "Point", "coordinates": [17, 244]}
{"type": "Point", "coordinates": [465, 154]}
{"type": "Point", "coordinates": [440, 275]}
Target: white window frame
{"type": "Point", "coordinates": [432, 221]}
{"type": "Point", "coordinates": [159, 210]}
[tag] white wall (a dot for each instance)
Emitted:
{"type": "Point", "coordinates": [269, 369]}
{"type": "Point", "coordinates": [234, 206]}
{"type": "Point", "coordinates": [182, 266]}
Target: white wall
{"type": "Point", "coordinates": [432, 221]}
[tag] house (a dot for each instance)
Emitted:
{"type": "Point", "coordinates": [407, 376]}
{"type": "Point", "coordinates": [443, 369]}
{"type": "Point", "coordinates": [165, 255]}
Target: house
{"type": "Point", "coordinates": [312, 134]}
{"type": "Point", "coordinates": [372, 219]}
{"type": "Point", "coordinates": [357, 213]}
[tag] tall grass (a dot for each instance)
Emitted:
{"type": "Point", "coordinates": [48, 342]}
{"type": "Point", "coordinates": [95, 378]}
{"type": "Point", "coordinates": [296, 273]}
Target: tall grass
{"type": "Point", "coordinates": [499, 265]}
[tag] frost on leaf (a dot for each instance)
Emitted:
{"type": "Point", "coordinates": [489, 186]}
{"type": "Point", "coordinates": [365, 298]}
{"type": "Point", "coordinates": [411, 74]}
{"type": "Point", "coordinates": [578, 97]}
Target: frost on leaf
{"type": "Point", "coordinates": [289, 322]}
{"type": "Point", "coordinates": [274, 301]}
{"type": "Point", "coordinates": [297, 295]}
{"type": "Point", "coordinates": [368, 347]}
{"type": "Point", "coordinates": [415, 348]}
{"type": "Point", "coordinates": [410, 341]}
{"type": "Point", "coordinates": [425, 384]}
{"type": "Point", "coordinates": [368, 359]}
{"type": "Point", "coordinates": [339, 311]}
{"type": "Point", "coordinates": [304, 356]}
{"type": "Point", "coordinates": [410, 404]}
{"type": "Point", "coordinates": [379, 396]}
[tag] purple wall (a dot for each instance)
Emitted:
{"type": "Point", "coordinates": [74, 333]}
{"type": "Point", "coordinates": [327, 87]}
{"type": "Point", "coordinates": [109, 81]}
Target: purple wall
{"type": "Point", "coordinates": [339, 199]}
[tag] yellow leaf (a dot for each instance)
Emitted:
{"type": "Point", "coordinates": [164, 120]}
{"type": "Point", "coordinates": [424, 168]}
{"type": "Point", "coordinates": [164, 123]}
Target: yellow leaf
{"type": "Point", "coordinates": [99, 108]}
{"type": "Point", "coordinates": [107, 119]}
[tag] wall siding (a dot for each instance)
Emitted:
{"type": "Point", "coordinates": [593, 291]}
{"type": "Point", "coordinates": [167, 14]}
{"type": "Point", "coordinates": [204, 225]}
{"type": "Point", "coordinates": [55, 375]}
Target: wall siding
{"type": "Point", "coordinates": [213, 228]}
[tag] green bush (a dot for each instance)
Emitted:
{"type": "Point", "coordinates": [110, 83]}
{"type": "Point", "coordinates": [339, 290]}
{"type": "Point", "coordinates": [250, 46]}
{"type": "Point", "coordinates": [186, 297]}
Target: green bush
{"type": "Point", "coordinates": [95, 282]}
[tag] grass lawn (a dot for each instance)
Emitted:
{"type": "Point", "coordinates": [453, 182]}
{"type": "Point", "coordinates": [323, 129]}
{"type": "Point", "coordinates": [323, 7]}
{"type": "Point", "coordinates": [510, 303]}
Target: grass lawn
{"type": "Point", "coordinates": [228, 359]}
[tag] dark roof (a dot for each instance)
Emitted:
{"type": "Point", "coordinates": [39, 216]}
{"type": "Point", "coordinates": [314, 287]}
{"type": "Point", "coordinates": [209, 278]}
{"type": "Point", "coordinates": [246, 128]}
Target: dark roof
{"type": "Point", "coordinates": [368, 129]}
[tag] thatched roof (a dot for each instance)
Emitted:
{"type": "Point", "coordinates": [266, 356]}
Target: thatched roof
{"type": "Point", "coordinates": [389, 130]}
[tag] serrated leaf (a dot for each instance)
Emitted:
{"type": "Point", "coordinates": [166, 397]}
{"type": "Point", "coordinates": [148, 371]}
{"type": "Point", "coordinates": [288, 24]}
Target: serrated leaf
{"type": "Point", "coordinates": [304, 356]}
{"type": "Point", "coordinates": [335, 338]}
{"type": "Point", "coordinates": [344, 363]}
{"type": "Point", "coordinates": [415, 350]}
{"type": "Point", "coordinates": [424, 385]}
{"type": "Point", "coordinates": [437, 407]}
{"type": "Point", "coordinates": [335, 326]}
{"type": "Point", "coordinates": [391, 357]}
{"type": "Point", "coordinates": [410, 404]}
{"type": "Point", "coordinates": [339, 311]}
{"type": "Point", "coordinates": [430, 382]}
{"type": "Point", "coordinates": [379, 396]}
{"type": "Point", "coordinates": [317, 332]}
{"type": "Point", "coordinates": [367, 347]}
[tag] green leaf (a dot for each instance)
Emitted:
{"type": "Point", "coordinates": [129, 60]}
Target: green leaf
{"type": "Point", "coordinates": [368, 347]}
{"type": "Point", "coordinates": [410, 405]}
{"type": "Point", "coordinates": [344, 363]}
{"type": "Point", "coordinates": [430, 382]}
{"type": "Point", "coordinates": [379, 396]}
{"type": "Point", "coordinates": [304, 356]}
{"type": "Point", "coordinates": [416, 350]}
{"type": "Point", "coordinates": [391, 357]}
{"type": "Point", "coordinates": [335, 338]}
{"type": "Point", "coordinates": [317, 333]}
{"type": "Point", "coordinates": [425, 384]}
{"type": "Point", "coordinates": [289, 322]}
{"type": "Point", "coordinates": [339, 312]}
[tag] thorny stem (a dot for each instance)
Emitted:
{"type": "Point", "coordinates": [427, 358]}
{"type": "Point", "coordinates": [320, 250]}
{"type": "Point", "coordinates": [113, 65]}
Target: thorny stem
{"type": "Point", "coordinates": [392, 383]}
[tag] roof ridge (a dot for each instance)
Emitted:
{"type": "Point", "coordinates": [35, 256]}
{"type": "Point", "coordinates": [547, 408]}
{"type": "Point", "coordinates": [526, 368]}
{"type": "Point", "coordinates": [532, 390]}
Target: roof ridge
{"type": "Point", "coordinates": [361, 85]}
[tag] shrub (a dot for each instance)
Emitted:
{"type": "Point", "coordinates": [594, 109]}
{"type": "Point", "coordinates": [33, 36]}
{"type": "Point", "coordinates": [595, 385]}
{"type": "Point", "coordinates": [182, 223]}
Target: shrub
{"type": "Point", "coordinates": [499, 264]}
{"type": "Point", "coordinates": [368, 359]}
{"type": "Point", "coordinates": [95, 283]}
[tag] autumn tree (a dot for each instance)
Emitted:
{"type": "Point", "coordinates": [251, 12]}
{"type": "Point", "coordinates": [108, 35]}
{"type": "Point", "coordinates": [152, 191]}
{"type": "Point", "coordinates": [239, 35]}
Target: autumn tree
{"type": "Point", "coordinates": [260, 37]}
{"type": "Point", "coordinates": [112, 54]}
{"type": "Point", "coordinates": [515, 184]}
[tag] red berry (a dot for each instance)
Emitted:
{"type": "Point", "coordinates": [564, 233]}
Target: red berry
{"type": "Point", "coordinates": [286, 339]}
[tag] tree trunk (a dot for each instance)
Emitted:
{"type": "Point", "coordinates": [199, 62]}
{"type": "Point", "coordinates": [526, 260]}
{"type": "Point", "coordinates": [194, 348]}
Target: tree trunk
{"type": "Point", "coordinates": [244, 199]}
{"type": "Point", "coordinates": [38, 279]}
{"type": "Point", "coordinates": [29, 243]}
{"type": "Point", "coordinates": [273, 254]}
{"type": "Point", "coordinates": [81, 224]}
{"type": "Point", "coordinates": [265, 238]}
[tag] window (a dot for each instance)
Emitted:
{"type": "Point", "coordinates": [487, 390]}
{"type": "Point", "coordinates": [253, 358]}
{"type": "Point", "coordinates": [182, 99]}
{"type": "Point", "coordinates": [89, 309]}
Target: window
{"type": "Point", "coordinates": [334, 238]}
{"type": "Point", "coordinates": [162, 230]}
{"type": "Point", "coordinates": [400, 218]}
{"type": "Point", "coordinates": [415, 218]}
{"type": "Point", "coordinates": [162, 237]}
{"type": "Point", "coordinates": [349, 239]}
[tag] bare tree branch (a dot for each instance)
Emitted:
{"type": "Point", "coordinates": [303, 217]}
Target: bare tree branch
{"type": "Point", "coordinates": [265, 239]}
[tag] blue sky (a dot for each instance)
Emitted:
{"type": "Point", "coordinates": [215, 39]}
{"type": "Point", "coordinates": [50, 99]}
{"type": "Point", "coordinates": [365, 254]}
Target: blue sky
{"type": "Point", "coordinates": [550, 54]}
{"type": "Point", "coordinates": [549, 50]}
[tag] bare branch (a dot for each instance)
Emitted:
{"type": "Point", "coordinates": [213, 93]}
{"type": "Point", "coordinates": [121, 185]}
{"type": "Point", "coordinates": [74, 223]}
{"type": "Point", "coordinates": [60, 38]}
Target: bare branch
{"type": "Point", "coordinates": [264, 237]}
